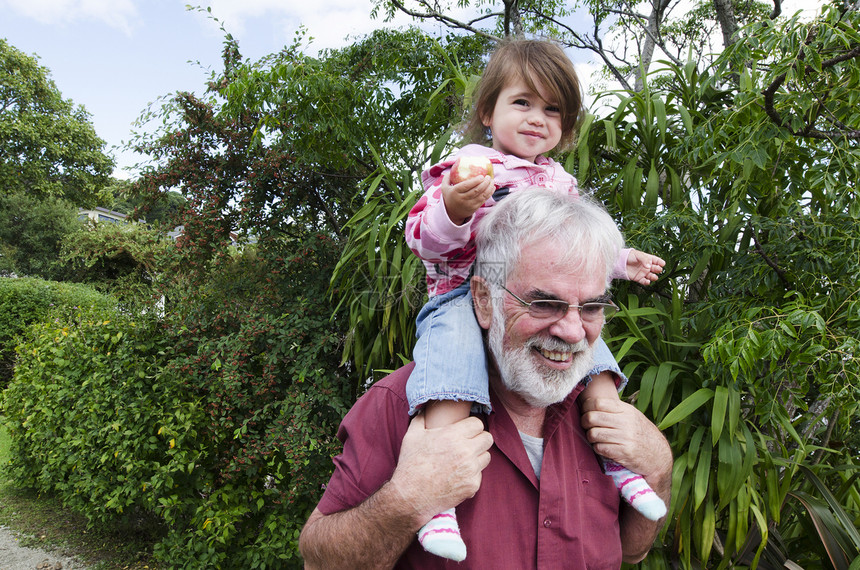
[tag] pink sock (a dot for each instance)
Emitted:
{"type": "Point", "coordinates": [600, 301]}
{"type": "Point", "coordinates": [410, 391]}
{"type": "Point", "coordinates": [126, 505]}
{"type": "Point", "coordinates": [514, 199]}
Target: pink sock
{"type": "Point", "coordinates": [635, 490]}
{"type": "Point", "coordinates": [441, 536]}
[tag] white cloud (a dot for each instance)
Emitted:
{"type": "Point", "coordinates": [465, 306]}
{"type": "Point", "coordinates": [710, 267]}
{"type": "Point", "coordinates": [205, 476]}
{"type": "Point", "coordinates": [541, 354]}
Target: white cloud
{"type": "Point", "coordinates": [809, 9]}
{"type": "Point", "coordinates": [329, 22]}
{"type": "Point", "coordinates": [117, 14]}
{"type": "Point", "coordinates": [237, 12]}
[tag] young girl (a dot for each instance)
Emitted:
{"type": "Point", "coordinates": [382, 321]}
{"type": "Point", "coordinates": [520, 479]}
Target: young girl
{"type": "Point", "coordinates": [529, 103]}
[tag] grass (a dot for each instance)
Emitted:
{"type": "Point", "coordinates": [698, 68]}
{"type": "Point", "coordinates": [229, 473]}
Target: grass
{"type": "Point", "coordinates": [41, 522]}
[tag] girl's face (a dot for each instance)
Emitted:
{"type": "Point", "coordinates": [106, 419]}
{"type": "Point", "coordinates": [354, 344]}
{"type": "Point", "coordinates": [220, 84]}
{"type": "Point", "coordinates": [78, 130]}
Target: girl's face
{"type": "Point", "coordinates": [524, 123]}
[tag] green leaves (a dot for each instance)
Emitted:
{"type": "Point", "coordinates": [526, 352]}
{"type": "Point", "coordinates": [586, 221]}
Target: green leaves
{"type": "Point", "coordinates": [835, 528]}
{"type": "Point", "coordinates": [48, 147]}
{"type": "Point", "coordinates": [79, 389]}
{"type": "Point", "coordinates": [378, 279]}
{"type": "Point", "coordinates": [687, 407]}
{"type": "Point", "coordinates": [223, 409]}
{"type": "Point", "coordinates": [27, 301]}
{"type": "Point", "coordinates": [745, 351]}
{"type": "Point", "coordinates": [32, 229]}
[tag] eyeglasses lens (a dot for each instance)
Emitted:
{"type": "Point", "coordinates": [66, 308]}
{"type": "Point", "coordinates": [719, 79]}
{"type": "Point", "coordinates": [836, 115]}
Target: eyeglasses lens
{"type": "Point", "coordinates": [590, 312]}
{"type": "Point", "coordinates": [546, 309]}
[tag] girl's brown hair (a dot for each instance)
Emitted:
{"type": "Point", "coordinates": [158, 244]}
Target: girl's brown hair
{"type": "Point", "coordinates": [537, 63]}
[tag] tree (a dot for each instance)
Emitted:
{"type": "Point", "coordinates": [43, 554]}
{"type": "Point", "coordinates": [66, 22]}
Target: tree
{"type": "Point", "coordinates": [159, 213]}
{"type": "Point", "coordinates": [622, 36]}
{"type": "Point", "coordinates": [293, 145]}
{"type": "Point", "coordinates": [742, 171]}
{"type": "Point", "coordinates": [51, 162]}
{"type": "Point", "coordinates": [286, 141]}
{"type": "Point", "coordinates": [31, 231]}
{"type": "Point", "coordinates": [48, 147]}
{"type": "Point", "coordinates": [277, 152]}
{"type": "Point", "coordinates": [746, 173]}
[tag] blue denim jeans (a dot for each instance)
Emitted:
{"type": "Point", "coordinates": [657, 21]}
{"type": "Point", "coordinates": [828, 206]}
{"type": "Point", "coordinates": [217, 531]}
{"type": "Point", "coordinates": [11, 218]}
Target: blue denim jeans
{"type": "Point", "coordinates": [450, 362]}
{"type": "Point", "coordinates": [449, 353]}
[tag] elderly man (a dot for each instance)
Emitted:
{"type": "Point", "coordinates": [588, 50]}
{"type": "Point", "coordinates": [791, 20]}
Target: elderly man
{"type": "Point", "coordinates": [527, 484]}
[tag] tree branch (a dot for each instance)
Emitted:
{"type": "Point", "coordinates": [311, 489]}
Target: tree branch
{"type": "Point", "coordinates": [770, 93]}
{"type": "Point", "coordinates": [596, 46]}
{"type": "Point", "coordinates": [816, 410]}
{"type": "Point", "coordinates": [780, 272]}
{"type": "Point", "coordinates": [653, 36]}
{"type": "Point", "coordinates": [434, 14]}
{"type": "Point", "coordinates": [777, 9]}
{"type": "Point", "coordinates": [652, 40]}
{"type": "Point", "coordinates": [825, 441]}
{"type": "Point", "coordinates": [728, 21]}
{"type": "Point", "coordinates": [628, 13]}
{"type": "Point", "coordinates": [512, 18]}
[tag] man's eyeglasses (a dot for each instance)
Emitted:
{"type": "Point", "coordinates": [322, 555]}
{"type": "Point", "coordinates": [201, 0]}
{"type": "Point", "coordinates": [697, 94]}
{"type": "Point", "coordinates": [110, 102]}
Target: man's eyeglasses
{"type": "Point", "coordinates": [556, 309]}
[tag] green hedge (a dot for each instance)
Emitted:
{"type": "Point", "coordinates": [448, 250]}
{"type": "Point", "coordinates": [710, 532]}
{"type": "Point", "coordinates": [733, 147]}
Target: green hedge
{"type": "Point", "coordinates": [26, 300]}
{"type": "Point", "coordinates": [89, 420]}
{"type": "Point", "coordinates": [222, 432]}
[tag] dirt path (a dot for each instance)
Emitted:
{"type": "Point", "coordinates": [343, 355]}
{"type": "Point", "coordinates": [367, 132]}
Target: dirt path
{"type": "Point", "coordinates": [13, 556]}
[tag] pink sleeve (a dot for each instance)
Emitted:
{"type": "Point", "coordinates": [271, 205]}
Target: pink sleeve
{"type": "Point", "coordinates": [430, 233]}
{"type": "Point", "coordinates": [620, 269]}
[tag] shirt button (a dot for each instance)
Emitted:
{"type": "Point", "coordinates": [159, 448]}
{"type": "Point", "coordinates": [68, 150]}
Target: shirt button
{"type": "Point", "coordinates": [547, 523]}
{"type": "Point", "coordinates": [585, 481]}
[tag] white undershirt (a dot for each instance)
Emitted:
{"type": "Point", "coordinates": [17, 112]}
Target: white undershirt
{"type": "Point", "coordinates": [534, 449]}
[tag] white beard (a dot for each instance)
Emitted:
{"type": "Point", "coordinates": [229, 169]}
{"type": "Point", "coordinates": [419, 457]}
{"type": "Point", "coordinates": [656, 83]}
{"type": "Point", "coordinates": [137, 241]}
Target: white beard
{"type": "Point", "coordinates": [539, 386]}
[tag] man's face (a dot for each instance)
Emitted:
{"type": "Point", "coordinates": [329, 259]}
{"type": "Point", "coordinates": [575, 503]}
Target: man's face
{"type": "Point", "coordinates": [542, 360]}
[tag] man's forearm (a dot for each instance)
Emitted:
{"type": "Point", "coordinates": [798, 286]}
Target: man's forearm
{"type": "Point", "coordinates": [637, 532]}
{"type": "Point", "coordinates": [373, 534]}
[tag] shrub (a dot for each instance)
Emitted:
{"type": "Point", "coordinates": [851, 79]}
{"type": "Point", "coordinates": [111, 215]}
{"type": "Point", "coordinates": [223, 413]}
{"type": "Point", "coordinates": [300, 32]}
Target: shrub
{"type": "Point", "coordinates": [25, 301]}
{"type": "Point", "coordinates": [219, 419]}
{"type": "Point", "coordinates": [125, 260]}
{"type": "Point", "coordinates": [261, 351]}
{"type": "Point", "coordinates": [269, 436]}
{"type": "Point", "coordinates": [31, 231]}
{"type": "Point", "coordinates": [93, 421]}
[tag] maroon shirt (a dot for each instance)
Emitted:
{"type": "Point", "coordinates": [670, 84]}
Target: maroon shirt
{"type": "Point", "coordinates": [568, 519]}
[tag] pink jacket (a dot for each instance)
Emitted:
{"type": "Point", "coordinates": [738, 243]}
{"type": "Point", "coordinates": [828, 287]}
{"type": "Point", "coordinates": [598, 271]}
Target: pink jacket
{"type": "Point", "coordinates": [448, 250]}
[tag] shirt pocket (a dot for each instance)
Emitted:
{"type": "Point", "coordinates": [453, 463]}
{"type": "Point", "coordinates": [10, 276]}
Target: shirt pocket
{"type": "Point", "coordinates": [602, 533]}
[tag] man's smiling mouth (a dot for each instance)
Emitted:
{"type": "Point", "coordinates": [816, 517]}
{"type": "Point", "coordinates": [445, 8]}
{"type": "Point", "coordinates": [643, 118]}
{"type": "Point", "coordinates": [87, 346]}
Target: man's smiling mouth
{"type": "Point", "coordinates": [555, 356]}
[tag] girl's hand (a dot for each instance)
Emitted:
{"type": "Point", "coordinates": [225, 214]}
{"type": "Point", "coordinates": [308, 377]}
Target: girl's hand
{"type": "Point", "coordinates": [463, 199]}
{"type": "Point", "coordinates": [643, 268]}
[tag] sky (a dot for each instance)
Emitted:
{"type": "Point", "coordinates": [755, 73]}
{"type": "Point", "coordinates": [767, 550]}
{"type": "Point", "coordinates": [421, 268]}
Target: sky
{"type": "Point", "coordinates": [116, 57]}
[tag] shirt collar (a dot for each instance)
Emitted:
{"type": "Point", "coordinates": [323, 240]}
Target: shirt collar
{"type": "Point", "coordinates": [506, 436]}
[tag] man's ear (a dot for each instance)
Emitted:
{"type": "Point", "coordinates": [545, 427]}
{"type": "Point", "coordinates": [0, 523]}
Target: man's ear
{"type": "Point", "coordinates": [483, 302]}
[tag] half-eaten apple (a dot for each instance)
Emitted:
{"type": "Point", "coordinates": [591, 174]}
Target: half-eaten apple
{"type": "Point", "coordinates": [467, 167]}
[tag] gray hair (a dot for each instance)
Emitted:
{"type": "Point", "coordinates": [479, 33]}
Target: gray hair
{"type": "Point", "coordinates": [579, 224]}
